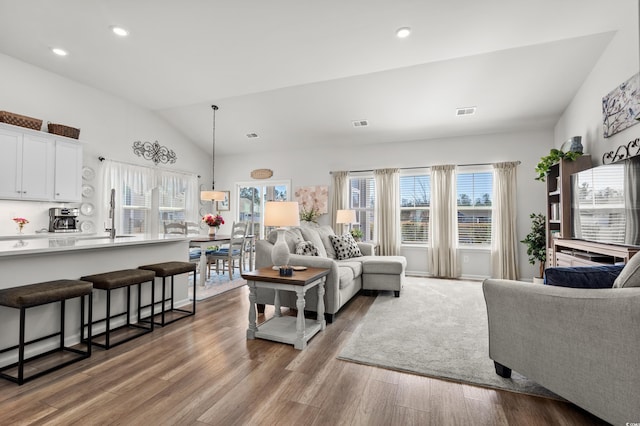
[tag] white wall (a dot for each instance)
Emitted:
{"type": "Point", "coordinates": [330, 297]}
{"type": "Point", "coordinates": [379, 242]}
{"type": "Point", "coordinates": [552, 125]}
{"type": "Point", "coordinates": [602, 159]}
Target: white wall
{"type": "Point", "coordinates": [583, 117]}
{"type": "Point", "coordinates": [312, 167]}
{"type": "Point", "coordinates": [108, 126]}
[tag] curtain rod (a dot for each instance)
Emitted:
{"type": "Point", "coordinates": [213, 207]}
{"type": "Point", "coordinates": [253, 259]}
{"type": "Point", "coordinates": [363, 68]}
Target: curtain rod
{"type": "Point", "coordinates": [424, 167]}
{"type": "Point", "coordinates": [101, 158]}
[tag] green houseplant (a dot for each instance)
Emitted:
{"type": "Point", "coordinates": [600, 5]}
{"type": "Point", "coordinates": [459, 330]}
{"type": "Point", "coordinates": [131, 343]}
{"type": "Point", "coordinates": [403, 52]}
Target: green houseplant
{"type": "Point", "coordinates": [357, 234]}
{"type": "Point", "coordinates": [536, 241]}
{"type": "Point", "coordinates": [309, 215]}
{"type": "Point", "coordinates": [555, 156]}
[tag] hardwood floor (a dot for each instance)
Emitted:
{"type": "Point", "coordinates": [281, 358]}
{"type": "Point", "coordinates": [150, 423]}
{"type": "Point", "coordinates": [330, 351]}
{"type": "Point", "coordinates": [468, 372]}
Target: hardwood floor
{"type": "Point", "coordinates": [203, 371]}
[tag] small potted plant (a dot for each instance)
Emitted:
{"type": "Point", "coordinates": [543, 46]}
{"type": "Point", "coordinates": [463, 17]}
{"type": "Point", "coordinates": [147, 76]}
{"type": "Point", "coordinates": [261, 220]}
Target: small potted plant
{"type": "Point", "coordinates": [555, 156]}
{"type": "Point", "coordinates": [357, 234]}
{"type": "Point", "coordinates": [536, 241]}
{"type": "Point", "coordinates": [309, 215]}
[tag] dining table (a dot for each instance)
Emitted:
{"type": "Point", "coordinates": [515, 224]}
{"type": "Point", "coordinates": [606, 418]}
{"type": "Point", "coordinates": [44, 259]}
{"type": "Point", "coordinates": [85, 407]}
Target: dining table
{"type": "Point", "coordinates": [205, 241]}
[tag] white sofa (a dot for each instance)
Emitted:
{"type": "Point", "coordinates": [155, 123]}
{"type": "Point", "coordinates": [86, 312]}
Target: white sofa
{"type": "Point", "coordinates": [345, 277]}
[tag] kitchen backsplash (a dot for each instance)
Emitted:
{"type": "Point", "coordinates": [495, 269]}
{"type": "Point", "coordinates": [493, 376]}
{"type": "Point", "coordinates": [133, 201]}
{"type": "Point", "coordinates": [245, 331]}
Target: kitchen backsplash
{"type": "Point", "coordinates": [36, 212]}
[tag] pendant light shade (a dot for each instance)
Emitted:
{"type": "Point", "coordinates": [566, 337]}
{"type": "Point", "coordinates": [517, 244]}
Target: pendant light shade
{"type": "Point", "coordinates": [213, 195]}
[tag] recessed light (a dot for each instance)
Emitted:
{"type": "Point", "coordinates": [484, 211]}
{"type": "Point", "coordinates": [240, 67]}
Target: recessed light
{"type": "Point", "coordinates": [252, 135]}
{"type": "Point", "coordinates": [403, 32]}
{"type": "Point", "coordinates": [59, 52]}
{"type": "Point", "coordinates": [119, 31]}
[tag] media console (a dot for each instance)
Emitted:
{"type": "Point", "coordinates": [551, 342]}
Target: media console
{"type": "Point", "coordinates": [568, 252]}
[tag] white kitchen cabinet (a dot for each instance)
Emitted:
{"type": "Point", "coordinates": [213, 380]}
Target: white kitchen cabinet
{"type": "Point", "coordinates": [39, 166]}
{"type": "Point", "coordinates": [27, 170]}
{"type": "Point", "coordinates": [68, 171]}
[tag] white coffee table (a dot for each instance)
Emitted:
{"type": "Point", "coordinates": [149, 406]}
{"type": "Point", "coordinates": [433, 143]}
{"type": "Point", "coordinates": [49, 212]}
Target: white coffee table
{"type": "Point", "coordinates": [286, 329]}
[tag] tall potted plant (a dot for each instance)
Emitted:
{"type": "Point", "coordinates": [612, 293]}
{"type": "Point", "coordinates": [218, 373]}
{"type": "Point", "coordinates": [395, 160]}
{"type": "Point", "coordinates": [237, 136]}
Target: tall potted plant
{"type": "Point", "coordinates": [536, 241]}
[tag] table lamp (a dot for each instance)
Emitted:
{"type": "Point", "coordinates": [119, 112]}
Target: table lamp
{"type": "Point", "coordinates": [345, 217]}
{"type": "Point", "coordinates": [281, 214]}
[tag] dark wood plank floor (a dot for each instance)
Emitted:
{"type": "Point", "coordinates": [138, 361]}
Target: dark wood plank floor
{"type": "Point", "coordinates": [203, 371]}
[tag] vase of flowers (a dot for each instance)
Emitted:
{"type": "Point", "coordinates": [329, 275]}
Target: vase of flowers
{"type": "Point", "coordinates": [21, 221]}
{"type": "Point", "coordinates": [214, 223]}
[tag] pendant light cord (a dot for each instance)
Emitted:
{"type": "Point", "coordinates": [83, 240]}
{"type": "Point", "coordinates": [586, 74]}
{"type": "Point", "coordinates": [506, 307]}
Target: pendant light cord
{"type": "Point", "coordinates": [213, 152]}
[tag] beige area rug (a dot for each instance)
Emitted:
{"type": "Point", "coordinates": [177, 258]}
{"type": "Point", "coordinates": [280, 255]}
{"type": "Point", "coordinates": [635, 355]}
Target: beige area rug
{"type": "Point", "coordinates": [436, 328]}
{"type": "Point", "coordinates": [216, 285]}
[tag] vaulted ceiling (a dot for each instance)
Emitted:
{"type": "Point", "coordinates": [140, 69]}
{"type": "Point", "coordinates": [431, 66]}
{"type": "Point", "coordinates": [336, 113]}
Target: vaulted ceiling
{"type": "Point", "coordinates": [297, 73]}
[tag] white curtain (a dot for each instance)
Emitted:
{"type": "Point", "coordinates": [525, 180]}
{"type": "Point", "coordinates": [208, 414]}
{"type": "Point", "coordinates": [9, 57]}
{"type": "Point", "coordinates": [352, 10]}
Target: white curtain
{"type": "Point", "coordinates": [339, 198]}
{"type": "Point", "coordinates": [443, 223]}
{"type": "Point", "coordinates": [631, 201]}
{"type": "Point", "coordinates": [135, 210]}
{"type": "Point", "coordinates": [387, 211]}
{"type": "Point", "coordinates": [132, 184]}
{"type": "Point", "coordinates": [178, 186]}
{"type": "Point", "coordinates": [504, 238]}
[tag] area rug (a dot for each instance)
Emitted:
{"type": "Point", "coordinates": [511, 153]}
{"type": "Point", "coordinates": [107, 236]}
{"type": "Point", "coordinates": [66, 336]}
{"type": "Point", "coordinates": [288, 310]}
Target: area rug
{"type": "Point", "coordinates": [436, 328]}
{"type": "Point", "coordinates": [216, 285]}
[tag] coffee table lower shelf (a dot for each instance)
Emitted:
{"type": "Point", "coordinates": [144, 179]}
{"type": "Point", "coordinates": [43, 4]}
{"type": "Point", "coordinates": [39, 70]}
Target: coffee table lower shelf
{"type": "Point", "coordinates": [283, 329]}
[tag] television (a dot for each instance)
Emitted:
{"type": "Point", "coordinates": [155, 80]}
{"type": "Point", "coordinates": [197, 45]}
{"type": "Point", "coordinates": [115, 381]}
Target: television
{"type": "Point", "coordinates": [605, 203]}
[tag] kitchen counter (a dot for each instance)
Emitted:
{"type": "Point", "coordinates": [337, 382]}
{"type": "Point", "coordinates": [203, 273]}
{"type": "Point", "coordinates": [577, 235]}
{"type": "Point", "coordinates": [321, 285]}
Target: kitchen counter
{"type": "Point", "coordinates": [55, 243]}
{"type": "Point", "coordinates": [32, 260]}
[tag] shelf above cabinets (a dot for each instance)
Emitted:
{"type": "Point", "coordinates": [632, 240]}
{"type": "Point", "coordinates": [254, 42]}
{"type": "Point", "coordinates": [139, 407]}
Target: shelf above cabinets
{"type": "Point", "coordinates": [39, 166]}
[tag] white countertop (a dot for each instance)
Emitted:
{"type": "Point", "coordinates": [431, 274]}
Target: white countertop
{"type": "Point", "coordinates": [65, 242]}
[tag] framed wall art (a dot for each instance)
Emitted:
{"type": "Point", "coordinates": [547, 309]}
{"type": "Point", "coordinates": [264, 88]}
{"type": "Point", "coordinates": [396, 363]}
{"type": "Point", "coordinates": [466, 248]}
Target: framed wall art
{"type": "Point", "coordinates": [224, 205]}
{"type": "Point", "coordinates": [621, 107]}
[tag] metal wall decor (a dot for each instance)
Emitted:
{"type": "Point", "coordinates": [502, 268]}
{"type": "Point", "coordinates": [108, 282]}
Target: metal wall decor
{"type": "Point", "coordinates": [623, 152]}
{"type": "Point", "coordinates": [154, 152]}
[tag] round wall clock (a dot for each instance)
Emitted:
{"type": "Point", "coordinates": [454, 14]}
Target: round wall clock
{"type": "Point", "coordinates": [261, 173]}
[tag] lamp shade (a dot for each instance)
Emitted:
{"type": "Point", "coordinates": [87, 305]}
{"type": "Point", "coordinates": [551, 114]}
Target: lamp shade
{"type": "Point", "coordinates": [212, 195]}
{"type": "Point", "coordinates": [346, 216]}
{"type": "Point", "coordinates": [281, 213]}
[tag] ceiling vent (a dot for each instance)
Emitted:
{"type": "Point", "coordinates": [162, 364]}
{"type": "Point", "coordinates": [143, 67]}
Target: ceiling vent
{"type": "Point", "coordinates": [252, 135]}
{"type": "Point", "coordinates": [465, 111]}
{"type": "Point", "coordinates": [360, 123]}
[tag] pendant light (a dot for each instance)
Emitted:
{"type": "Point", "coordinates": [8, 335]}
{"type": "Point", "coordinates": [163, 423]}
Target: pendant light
{"type": "Point", "coordinates": [213, 195]}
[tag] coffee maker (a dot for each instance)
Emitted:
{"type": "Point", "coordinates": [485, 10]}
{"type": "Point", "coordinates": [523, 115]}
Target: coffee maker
{"type": "Point", "coordinates": [63, 220]}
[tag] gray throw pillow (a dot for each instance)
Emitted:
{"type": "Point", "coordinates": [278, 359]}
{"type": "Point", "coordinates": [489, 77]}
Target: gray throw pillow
{"type": "Point", "coordinates": [325, 231]}
{"type": "Point", "coordinates": [307, 248]}
{"type": "Point", "coordinates": [292, 237]}
{"type": "Point", "coordinates": [630, 274]}
{"type": "Point", "coordinates": [311, 234]}
{"type": "Point", "coordinates": [345, 246]}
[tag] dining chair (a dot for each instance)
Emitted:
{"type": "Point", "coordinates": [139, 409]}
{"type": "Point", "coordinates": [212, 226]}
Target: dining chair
{"type": "Point", "coordinates": [183, 228]}
{"type": "Point", "coordinates": [235, 250]}
{"type": "Point", "coordinates": [175, 228]}
{"type": "Point", "coordinates": [192, 228]}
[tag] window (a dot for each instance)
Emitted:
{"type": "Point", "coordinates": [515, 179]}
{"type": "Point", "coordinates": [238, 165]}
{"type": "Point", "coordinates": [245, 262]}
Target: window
{"type": "Point", "coordinates": [599, 204]}
{"type": "Point", "coordinates": [475, 191]}
{"type": "Point", "coordinates": [251, 199]}
{"type": "Point", "coordinates": [415, 200]}
{"type": "Point", "coordinates": [174, 194]}
{"type": "Point", "coordinates": [362, 196]}
{"type": "Point", "coordinates": [145, 197]}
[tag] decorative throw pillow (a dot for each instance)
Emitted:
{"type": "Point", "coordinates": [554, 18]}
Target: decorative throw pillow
{"type": "Point", "coordinates": [345, 246]}
{"type": "Point", "coordinates": [630, 274]}
{"type": "Point", "coordinates": [311, 234]}
{"type": "Point", "coordinates": [306, 248]}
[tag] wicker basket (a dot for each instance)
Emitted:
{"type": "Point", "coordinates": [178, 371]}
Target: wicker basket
{"type": "Point", "coordinates": [20, 120]}
{"type": "Point", "coordinates": [59, 129]}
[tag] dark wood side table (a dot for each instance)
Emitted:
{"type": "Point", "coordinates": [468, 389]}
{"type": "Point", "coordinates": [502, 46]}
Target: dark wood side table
{"type": "Point", "coordinates": [286, 329]}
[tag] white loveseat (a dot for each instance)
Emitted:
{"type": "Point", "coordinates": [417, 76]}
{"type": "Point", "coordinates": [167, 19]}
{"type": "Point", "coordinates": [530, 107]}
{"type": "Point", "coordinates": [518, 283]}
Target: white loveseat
{"type": "Point", "coordinates": [345, 277]}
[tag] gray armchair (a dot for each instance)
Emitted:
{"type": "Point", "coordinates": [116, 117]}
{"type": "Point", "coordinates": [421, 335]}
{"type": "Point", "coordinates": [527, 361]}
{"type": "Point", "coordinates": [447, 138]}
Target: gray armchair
{"type": "Point", "coordinates": [582, 344]}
